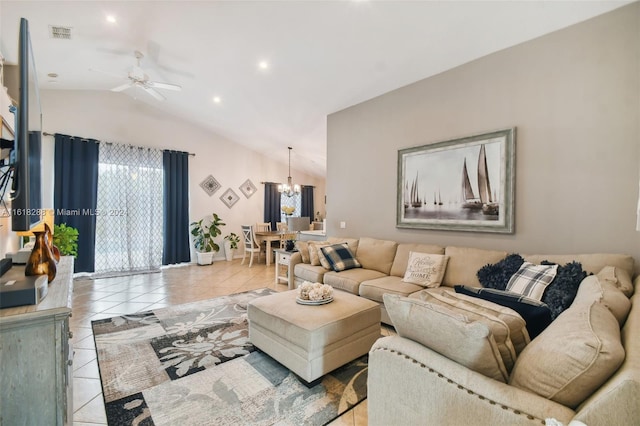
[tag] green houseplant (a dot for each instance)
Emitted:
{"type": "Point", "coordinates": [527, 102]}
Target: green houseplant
{"type": "Point", "coordinates": [66, 239]}
{"type": "Point", "coordinates": [230, 245]}
{"type": "Point", "coordinates": [204, 232]}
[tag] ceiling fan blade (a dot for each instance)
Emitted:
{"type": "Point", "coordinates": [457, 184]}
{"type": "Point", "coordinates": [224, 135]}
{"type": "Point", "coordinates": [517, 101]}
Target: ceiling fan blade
{"type": "Point", "coordinates": [166, 86]}
{"type": "Point", "coordinates": [153, 92]}
{"type": "Point", "coordinates": [122, 87]}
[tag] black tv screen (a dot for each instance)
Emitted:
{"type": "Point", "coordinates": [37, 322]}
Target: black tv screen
{"type": "Point", "coordinates": [26, 192]}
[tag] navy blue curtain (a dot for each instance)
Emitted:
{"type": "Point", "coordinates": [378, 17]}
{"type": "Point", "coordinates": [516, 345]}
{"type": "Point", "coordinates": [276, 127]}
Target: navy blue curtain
{"type": "Point", "coordinates": [176, 208]}
{"type": "Point", "coordinates": [75, 193]}
{"type": "Point", "coordinates": [271, 204]}
{"type": "Point", "coordinates": [307, 202]}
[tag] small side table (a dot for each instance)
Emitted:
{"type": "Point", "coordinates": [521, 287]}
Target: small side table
{"type": "Point", "coordinates": [283, 258]}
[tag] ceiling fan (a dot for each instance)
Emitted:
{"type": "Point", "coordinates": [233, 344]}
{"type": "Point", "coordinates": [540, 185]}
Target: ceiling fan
{"type": "Point", "coordinates": [138, 78]}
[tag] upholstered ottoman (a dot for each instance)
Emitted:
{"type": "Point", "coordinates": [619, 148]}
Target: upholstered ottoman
{"type": "Point", "coordinates": [313, 340]}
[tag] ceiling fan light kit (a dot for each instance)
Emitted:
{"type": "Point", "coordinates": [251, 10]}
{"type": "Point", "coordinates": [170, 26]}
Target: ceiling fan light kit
{"type": "Point", "coordinates": [138, 78]}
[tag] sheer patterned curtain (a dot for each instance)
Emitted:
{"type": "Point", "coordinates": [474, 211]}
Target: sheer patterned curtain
{"type": "Point", "coordinates": [129, 216]}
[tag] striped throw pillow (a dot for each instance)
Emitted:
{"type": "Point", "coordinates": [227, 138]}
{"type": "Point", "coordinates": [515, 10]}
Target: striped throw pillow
{"type": "Point", "coordinates": [531, 280]}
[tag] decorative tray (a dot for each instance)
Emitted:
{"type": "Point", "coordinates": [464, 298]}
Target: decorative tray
{"type": "Point", "coordinates": [314, 302]}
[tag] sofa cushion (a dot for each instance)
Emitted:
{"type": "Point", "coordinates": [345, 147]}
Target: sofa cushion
{"type": "Point", "coordinates": [593, 289]}
{"type": "Point", "coordinates": [425, 269]}
{"type": "Point", "coordinates": [374, 289]}
{"type": "Point", "coordinates": [307, 272]}
{"type": "Point", "coordinates": [467, 342]}
{"type": "Point", "coordinates": [464, 263]}
{"type": "Point", "coordinates": [497, 275]}
{"type": "Point", "coordinates": [573, 357]}
{"type": "Point", "coordinates": [531, 280]}
{"type": "Point", "coordinates": [376, 254]}
{"type": "Point", "coordinates": [340, 257]}
{"type": "Point", "coordinates": [303, 248]}
{"type": "Point", "coordinates": [536, 314]}
{"type": "Point", "coordinates": [350, 280]}
{"type": "Point", "coordinates": [501, 321]}
{"type": "Point", "coordinates": [617, 277]}
{"type": "Point", "coordinates": [402, 256]}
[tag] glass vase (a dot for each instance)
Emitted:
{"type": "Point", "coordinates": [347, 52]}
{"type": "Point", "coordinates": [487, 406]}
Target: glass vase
{"type": "Point", "coordinates": [41, 261]}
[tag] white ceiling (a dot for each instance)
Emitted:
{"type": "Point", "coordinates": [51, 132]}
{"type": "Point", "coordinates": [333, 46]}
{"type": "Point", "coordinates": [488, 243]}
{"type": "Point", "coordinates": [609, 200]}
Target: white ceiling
{"type": "Point", "coordinates": [324, 56]}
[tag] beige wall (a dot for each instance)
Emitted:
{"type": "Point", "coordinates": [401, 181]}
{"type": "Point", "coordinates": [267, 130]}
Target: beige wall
{"type": "Point", "coordinates": [115, 117]}
{"type": "Point", "coordinates": [573, 95]}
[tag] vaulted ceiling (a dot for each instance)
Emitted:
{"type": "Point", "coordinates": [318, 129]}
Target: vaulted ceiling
{"type": "Point", "coordinates": [275, 68]}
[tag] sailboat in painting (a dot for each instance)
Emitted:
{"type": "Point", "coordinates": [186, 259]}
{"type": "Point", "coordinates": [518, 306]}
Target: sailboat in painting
{"type": "Point", "coordinates": [469, 200]}
{"type": "Point", "coordinates": [489, 205]}
{"type": "Point", "coordinates": [485, 200]}
{"type": "Point", "coordinates": [415, 199]}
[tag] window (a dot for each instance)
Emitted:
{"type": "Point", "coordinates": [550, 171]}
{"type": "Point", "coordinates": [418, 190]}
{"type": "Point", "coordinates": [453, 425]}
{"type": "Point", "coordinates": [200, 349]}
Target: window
{"type": "Point", "coordinates": [294, 201]}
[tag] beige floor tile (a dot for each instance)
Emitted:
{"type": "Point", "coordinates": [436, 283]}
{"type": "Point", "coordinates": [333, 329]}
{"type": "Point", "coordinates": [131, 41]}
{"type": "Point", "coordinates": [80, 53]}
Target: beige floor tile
{"type": "Point", "coordinates": [84, 390]}
{"type": "Point", "coordinates": [92, 413]}
{"type": "Point", "coordinates": [88, 371]}
{"type": "Point", "coordinates": [360, 416]}
{"type": "Point", "coordinates": [82, 357]}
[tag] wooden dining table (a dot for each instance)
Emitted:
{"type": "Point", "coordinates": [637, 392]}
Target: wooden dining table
{"type": "Point", "coordinates": [268, 237]}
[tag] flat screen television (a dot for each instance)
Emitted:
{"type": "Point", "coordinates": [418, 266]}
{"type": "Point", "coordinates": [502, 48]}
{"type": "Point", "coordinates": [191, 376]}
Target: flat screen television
{"type": "Point", "coordinates": [26, 158]}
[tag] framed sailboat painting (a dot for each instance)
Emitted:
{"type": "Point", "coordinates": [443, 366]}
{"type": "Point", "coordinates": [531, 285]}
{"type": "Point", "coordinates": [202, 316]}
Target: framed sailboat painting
{"type": "Point", "coordinates": [464, 184]}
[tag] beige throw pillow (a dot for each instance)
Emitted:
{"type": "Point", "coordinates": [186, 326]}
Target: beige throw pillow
{"type": "Point", "coordinates": [314, 253]}
{"type": "Point", "coordinates": [303, 248]}
{"type": "Point", "coordinates": [573, 357]}
{"type": "Point", "coordinates": [452, 335]}
{"type": "Point", "coordinates": [592, 289]}
{"type": "Point", "coordinates": [425, 269]}
{"type": "Point", "coordinates": [617, 277]}
{"type": "Point", "coordinates": [498, 327]}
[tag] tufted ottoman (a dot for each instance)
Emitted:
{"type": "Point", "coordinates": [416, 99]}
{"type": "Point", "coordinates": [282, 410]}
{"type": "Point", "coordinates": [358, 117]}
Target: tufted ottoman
{"type": "Point", "coordinates": [313, 340]}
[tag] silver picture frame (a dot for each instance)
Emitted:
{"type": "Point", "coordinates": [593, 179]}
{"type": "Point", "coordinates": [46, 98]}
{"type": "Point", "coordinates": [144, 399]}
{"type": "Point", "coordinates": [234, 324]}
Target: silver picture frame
{"type": "Point", "coordinates": [229, 198]}
{"type": "Point", "coordinates": [463, 184]}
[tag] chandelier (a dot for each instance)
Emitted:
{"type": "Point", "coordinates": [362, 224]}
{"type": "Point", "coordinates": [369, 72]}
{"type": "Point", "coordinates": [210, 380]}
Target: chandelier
{"type": "Point", "coordinates": [288, 188]}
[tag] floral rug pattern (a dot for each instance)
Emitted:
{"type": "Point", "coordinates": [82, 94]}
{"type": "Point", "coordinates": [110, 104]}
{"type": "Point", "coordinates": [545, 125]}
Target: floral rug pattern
{"type": "Point", "coordinates": [193, 364]}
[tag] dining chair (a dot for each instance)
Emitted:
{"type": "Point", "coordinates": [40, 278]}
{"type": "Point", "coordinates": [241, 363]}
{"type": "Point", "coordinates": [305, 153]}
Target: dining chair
{"type": "Point", "coordinates": [263, 227]}
{"type": "Point", "coordinates": [250, 244]}
{"type": "Point", "coordinates": [282, 226]}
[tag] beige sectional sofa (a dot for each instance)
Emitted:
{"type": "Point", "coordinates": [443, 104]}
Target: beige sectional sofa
{"type": "Point", "coordinates": [584, 366]}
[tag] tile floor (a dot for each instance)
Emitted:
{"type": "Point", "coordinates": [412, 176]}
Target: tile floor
{"type": "Point", "coordinates": [106, 297]}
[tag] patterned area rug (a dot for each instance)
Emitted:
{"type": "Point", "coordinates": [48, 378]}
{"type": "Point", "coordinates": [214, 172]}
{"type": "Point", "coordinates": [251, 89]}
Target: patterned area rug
{"type": "Point", "coordinates": [193, 364]}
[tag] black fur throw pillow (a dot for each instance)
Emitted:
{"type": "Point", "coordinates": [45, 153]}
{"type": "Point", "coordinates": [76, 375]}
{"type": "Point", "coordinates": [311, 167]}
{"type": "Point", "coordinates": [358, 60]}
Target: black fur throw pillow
{"type": "Point", "coordinates": [497, 275]}
{"type": "Point", "coordinates": [560, 293]}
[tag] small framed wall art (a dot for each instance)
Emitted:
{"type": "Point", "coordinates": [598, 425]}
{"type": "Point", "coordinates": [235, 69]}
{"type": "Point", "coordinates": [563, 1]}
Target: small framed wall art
{"type": "Point", "coordinates": [210, 185]}
{"type": "Point", "coordinates": [229, 198]}
{"type": "Point", "coordinates": [248, 188]}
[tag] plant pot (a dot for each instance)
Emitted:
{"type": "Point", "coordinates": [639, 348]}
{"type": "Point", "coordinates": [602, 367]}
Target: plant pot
{"type": "Point", "coordinates": [228, 251]}
{"type": "Point", "coordinates": [204, 258]}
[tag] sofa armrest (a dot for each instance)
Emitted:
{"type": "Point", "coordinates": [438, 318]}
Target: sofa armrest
{"type": "Point", "coordinates": [411, 382]}
{"type": "Point", "coordinates": [293, 261]}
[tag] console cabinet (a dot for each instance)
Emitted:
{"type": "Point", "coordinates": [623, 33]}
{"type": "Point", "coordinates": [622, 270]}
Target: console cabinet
{"type": "Point", "coordinates": [36, 372]}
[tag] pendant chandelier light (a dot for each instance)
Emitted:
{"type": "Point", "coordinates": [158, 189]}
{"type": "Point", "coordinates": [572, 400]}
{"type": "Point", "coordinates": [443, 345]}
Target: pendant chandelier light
{"type": "Point", "coordinates": [288, 188]}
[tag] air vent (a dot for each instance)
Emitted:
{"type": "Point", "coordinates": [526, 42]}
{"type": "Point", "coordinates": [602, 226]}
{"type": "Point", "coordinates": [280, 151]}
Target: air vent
{"type": "Point", "coordinates": [58, 32]}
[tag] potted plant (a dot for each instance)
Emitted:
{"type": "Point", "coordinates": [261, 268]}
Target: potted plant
{"type": "Point", "coordinates": [66, 239]}
{"type": "Point", "coordinates": [230, 245]}
{"type": "Point", "coordinates": [204, 232]}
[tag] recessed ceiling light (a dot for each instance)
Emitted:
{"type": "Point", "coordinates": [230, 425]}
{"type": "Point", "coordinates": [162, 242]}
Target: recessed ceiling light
{"type": "Point", "coordinates": [111, 19]}
{"type": "Point", "coordinates": [263, 65]}
{"type": "Point", "coordinates": [216, 99]}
